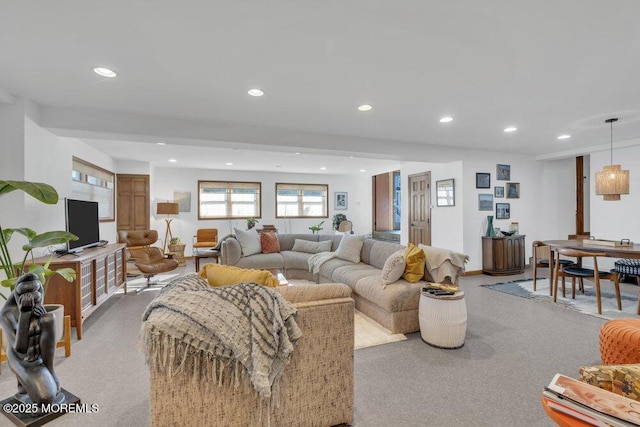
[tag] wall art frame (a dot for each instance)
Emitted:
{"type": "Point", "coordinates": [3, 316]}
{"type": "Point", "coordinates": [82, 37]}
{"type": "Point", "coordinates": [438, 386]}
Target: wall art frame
{"type": "Point", "coordinates": [483, 180]}
{"type": "Point", "coordinates": [503, 210]}
{"type": "Point", "coordinates": [340, 200]}
{"type": "Point", "coordinates": [445, 192]}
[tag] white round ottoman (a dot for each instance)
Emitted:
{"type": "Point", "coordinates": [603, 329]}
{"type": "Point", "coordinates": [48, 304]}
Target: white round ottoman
{"type": "Point", "coordinates": [443, 319]}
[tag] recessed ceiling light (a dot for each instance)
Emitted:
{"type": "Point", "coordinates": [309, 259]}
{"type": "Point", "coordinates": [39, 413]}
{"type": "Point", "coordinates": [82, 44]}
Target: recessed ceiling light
{"type": "Point", "coordinates": [255, 92]}
{"type": "Point", "coordinates": [172, 160]}
{"type": "Point", "coordinates": [161, 143]}
{"type": "Point", "coordinates": [229, 164]}
{"type": "Point", "coordinates": [365, 107]}
{"type": "Point", "coordinates": [104, 72]}
{"type": "Point", "coordinates": [363, 170]}
{"type": "Point", "coordinates": [323, 168]}
{"type": "Point", "coordinates": [297, 153]}
{"type": "Point", "coordinates": [510, 129]}
{"type": "Point", "coordinates": [564, 136]}
{"type": "Point", "coordinates": [446, 119]}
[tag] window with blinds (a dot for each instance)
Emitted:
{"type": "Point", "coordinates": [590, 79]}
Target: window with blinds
{"type": "Point", "coordinates": [92, 183]}
{"type": "Point", "coordinates": [224, 200]}
{"type": "Point", "coordinates": [301, 200]}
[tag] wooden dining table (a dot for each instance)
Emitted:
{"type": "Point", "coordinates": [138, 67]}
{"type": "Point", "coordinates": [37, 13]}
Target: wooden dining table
{"type": "Point", "coordinates": [630, 251]}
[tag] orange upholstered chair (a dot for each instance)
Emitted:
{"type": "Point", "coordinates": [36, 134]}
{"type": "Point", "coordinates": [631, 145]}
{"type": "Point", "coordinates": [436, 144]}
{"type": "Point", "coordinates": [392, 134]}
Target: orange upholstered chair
{"type": "Point", "coordinates": [205, 238]}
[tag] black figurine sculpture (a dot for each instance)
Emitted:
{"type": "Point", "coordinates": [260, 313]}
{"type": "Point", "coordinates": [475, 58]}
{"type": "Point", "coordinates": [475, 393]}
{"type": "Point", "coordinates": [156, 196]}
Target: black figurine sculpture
{"type": "Point", "coordinates": [30, 332]}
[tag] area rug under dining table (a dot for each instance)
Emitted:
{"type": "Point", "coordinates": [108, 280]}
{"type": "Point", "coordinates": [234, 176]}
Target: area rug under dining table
{"type": "Point", "coordinates": [584, 302]}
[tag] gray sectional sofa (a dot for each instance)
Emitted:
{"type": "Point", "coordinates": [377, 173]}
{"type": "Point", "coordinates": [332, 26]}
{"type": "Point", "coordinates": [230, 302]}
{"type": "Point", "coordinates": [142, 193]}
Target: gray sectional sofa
{"type": "Point", "coordinates": [395, 306]}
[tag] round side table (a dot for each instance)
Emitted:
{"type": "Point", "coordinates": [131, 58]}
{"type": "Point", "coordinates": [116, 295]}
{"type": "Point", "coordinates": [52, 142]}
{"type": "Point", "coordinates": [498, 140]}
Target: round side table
{"type": "Point", "coordinates": [443, 319]}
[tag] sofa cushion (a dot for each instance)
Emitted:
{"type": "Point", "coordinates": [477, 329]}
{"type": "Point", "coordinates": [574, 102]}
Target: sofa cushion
{"type": "Point", "coordinates": [269, 243]}
{"type": "Point", "coordinates": [335, 240]}
{"type": "Point", "coordinates": [350, 274]}
{"type": "Point", "coordinates": [415, 259]}
{"type": "Point", "coordinates": [287, 240]}
{"type": "Point", "coordinates": [350, 247]}
{"type": "Point", "coordinates": [309, 247]}
{"type": "Point", "coordinates": [262, 261]}
{"type": "Point", "coordinates": [225, 275]}
{"type": "Point", "coordinates": [398, 296]}
{"type": "Point", "coordinates": [327, 268]}
{"type": "Point", "coordinates": [379, 252]}
{"type": "Point", "coordinates": [394, 267]}
{"type": "Point", "coordinates": [296, 260]}
{"type": "Point", "coordinates": [249, 241]}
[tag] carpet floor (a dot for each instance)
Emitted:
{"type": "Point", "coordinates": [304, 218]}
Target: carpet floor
{"type": "Point", "coordinates": [583, 302]}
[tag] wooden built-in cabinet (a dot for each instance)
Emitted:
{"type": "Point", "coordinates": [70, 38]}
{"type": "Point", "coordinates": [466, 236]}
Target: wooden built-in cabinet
{"type": "Point", "coordinates": [503, 255]}
{"type": "Point", "coordinates": [99, 273]}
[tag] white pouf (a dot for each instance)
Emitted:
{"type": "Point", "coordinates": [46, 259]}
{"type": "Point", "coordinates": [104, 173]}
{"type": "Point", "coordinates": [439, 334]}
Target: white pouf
{"type": "Point", "coordinates": [443, 319]}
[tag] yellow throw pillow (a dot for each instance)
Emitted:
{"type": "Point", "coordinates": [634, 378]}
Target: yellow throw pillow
{"type": "Point", "coordinates": [414, 257]}
{"type": "Point", "coordinates": [224, 275]}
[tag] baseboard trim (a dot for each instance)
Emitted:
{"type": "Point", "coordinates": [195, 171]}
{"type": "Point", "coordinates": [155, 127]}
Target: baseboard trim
{"type": "Point", "coordinates": [473, 273]}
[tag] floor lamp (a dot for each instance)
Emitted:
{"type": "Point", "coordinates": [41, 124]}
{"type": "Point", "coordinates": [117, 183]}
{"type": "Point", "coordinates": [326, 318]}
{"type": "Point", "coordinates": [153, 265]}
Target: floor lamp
{"type": "Point", "coordinates": [167, 208]}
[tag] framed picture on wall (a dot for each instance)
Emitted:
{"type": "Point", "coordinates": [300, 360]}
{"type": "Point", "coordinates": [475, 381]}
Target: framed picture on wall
{"type": "Point", "coordinates": [503, 172]}
{"type": "Point", "coordinates": [445, 190]}
{"type": "Point", "coordinates": [483, 180]}
{"type": "Point", "coordinates": [513, 190]}
{"type": "Point", "coordinates": [485, 202]}
{"type": "Point", "coordinates": [503, 210]}
{"type": "Point", "coordinates": [498, 192]}
{"type": "Point", "coordinates": [340, 200]}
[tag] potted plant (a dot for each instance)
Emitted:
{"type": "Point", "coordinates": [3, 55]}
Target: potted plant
{"type": "Point", "coordinates": [316, 228]}
{"type": "Point", "coordinates": [46, 194]}
{"type": "Point", "coordinates": [251, 222]}
{"type": "Point", "coordinates": [337, 219]}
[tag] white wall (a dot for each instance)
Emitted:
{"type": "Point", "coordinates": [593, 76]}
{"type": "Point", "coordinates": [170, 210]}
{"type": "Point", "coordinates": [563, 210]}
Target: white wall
{"type": "Point", "coordinates": [168, 180]}
{"type": "Point", "coordinates": [526, 210]}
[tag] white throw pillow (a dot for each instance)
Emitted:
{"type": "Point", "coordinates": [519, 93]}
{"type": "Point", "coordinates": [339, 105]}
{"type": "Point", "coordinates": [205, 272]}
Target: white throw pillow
{"type": "Point", "coordinates": [393, 267]}
{"type": "Point", "coordinates": [249, 241]}
{"type": "Point", "coordinates": [350, 247]}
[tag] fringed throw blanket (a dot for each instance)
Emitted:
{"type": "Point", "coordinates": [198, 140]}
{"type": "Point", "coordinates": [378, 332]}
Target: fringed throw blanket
{"type": "Point", "coordinates": [315, 261]}
{"type": "Point", "coordinates": [232, 335]}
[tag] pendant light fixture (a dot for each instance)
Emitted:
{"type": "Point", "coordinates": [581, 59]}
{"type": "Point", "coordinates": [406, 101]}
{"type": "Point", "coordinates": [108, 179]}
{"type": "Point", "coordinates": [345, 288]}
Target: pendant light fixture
{"type": "Point", "coordinates": [612, 181]}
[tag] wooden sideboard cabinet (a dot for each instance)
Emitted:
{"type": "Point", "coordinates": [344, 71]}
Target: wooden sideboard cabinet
{"type": "Point", "coordinates": [99, 273]}
{"type": "Point", "coordinates": [503, 255]}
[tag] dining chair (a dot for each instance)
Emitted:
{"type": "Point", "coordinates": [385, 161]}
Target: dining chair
{"type": "Point", "coordinates": [579, 272]}
{"type": "Point", "coordinates": [542, 259]}
{"type": "Point", "coordinates": [205, 238]}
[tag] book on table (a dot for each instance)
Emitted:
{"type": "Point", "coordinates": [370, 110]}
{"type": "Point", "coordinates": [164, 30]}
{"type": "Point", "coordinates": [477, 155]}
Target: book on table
{"type": "Point", "coordinates": [590, 404]}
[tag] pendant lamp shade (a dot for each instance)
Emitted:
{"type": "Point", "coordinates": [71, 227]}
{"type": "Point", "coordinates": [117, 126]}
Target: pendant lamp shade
{"type": "Point", "coordinates": [612, 181]}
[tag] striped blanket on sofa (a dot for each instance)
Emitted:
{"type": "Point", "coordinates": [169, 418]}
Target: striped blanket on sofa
{"type": "Point", "coordinates": [231, 335]}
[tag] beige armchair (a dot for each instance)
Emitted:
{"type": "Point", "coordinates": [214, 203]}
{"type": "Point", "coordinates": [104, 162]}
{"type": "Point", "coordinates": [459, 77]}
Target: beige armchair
{"type": "Point", "coordinates": [316, 388]}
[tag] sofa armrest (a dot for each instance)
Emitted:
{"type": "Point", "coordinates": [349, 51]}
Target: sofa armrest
{"type": "Point", "coordinates": [620, 379]}
{"type": "Point", "coordinates": [310, 293]}
{"type": "Point", "coordinates": [230, 251]}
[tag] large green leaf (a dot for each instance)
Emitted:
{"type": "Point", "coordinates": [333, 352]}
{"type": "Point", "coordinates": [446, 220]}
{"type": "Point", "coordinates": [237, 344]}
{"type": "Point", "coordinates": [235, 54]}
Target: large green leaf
{"type": "Point", "coordinates": [9, 283]}
{"type": "Point", "coordinates": [38, 190]}
{"type": "Point", "coordinates": [49, 238]}
{"type": "Point", "coordinates": [26, 232]}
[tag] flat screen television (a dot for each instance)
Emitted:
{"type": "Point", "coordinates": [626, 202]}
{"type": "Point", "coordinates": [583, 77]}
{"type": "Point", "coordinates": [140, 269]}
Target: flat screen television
{"type": "Point", "coordinates": [82, 220]}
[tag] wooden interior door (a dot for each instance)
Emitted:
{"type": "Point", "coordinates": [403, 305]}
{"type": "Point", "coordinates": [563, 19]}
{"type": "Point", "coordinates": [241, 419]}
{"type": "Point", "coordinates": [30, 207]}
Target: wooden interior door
{"type": "Point", "coordinates": [133, 202]}
{"type": "Point", "coordinates": [382, 202]}
{"type": "Point", "coordinates": [419, 209]}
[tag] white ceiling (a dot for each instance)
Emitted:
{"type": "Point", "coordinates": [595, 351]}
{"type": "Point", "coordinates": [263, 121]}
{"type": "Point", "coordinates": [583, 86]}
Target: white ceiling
{"type": "Point", "coordinates": [547, 67]}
